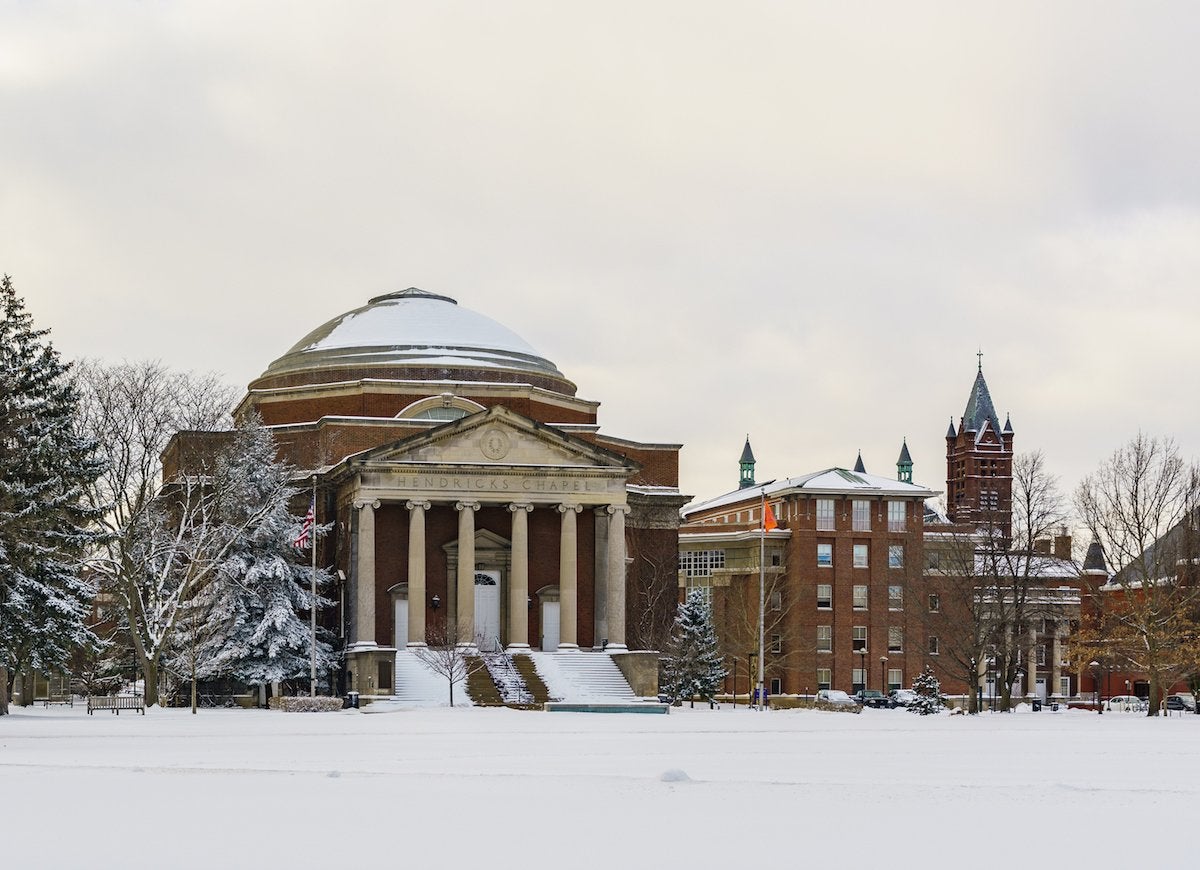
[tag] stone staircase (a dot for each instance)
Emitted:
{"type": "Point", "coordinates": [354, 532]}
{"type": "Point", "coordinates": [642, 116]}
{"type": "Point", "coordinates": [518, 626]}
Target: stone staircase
{"type": "Point", "coordinates": [583, 676]}
{"type": "Point", "coordinates": [417, 686]}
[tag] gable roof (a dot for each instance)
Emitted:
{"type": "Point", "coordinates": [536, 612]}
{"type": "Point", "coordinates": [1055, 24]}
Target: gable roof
{"type": "Point", "coordinates": [829, 481]}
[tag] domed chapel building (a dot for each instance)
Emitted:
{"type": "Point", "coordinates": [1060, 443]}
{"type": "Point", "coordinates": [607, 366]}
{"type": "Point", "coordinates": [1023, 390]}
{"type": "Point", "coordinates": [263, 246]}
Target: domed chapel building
{"type": "Point", "coordinates": [472, 495]}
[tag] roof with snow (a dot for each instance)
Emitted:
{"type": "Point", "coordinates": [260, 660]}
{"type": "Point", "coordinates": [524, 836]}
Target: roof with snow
{"type": "Point", "coordinates": [413, 328]}
{"type": "Point", "coordinates": [979, 408]}
{"type": "Point", "coordinates": [833, 481]}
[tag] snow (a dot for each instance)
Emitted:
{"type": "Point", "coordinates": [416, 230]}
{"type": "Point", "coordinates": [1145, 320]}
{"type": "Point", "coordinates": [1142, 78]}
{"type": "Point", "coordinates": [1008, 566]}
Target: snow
{"type": "Point", "coordinates": [697, 788]}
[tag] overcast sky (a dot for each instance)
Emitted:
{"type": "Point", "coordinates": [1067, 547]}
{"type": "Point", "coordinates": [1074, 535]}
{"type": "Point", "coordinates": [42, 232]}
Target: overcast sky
{"type": "Point", "coordinates": [794, 220]}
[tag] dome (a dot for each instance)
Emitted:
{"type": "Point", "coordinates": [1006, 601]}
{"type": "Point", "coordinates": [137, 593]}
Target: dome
{"type": "Point", "coordinates": [416, 330]}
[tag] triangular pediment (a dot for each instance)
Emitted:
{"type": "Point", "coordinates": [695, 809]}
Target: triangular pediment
{"type": "Point", "coordinates": [496, 437]}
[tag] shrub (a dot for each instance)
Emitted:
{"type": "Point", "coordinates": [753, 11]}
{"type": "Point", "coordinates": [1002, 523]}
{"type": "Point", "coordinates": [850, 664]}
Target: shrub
{"type": "Point", "coordinates": [299, 704]}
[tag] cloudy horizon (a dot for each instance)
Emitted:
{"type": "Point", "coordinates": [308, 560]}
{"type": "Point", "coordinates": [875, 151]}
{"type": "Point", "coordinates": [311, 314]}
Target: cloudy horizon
{"type": "Point", "coordinates": [800, 222]}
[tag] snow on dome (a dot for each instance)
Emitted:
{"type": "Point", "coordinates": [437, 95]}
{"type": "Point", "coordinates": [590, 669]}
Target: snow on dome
{"type": "Point", "coordinates": [413, 328]}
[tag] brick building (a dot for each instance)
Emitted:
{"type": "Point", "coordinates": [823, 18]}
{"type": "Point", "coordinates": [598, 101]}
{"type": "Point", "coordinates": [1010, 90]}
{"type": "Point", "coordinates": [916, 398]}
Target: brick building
{"type": "Point", "coordinates": [471, 491]}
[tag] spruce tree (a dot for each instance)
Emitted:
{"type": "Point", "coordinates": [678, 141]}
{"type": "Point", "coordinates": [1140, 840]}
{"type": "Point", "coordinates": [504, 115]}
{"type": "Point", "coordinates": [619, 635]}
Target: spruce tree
{"type": "Point", "coordinates": [249, 621]}
{"type": "Point", "coordinates": [693, 664]}
{"type": "Point", "coordinates": [46, 525]}
{"type": "Point", "coordinates": [929, 693]}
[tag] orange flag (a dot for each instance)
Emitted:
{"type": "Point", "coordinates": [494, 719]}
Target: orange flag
{"type": "Point", "coordinates": [768, 517]}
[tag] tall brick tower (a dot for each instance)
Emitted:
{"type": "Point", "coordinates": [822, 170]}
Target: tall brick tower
{"type": "Point", "coordinates": [979, 458]}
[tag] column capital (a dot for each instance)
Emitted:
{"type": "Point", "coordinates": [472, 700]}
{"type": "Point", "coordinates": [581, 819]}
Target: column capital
{"type": "Point", "coordinates": [617, 509]}
{"type": "Point", "coordinates": [359, 504]}
{"type": "Point", "coordinates": [467, 505]}
{"type": "Point", "coordinates": [520, 506]}
{"type": "Point", "coordinates": [563, 508]}
{"type": "Point", "coordinates": [423, 505]}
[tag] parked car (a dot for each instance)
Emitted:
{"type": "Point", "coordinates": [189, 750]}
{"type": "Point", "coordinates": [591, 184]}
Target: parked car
{"type": "Point", "coordinates": [1184, 703]}
{"type": "Point", "coordinates": [872, 698]}
{"type": "Point", "coordinates": [902, 697]}
{"type": "Point", "coordinates": [1125, 704]}
{"type": "Point", "coordinates": [836, 697]}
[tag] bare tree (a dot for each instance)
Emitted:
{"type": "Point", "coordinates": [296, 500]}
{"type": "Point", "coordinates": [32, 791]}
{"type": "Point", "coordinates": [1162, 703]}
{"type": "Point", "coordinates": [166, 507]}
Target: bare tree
{"type": "Point", "coordinates": [653, 592]}
{"type": "Point", "coordinates": [448, 658]}
{"type": "Point", "coordinates": [737, 624]}
{"type": "Point", "coordinates": [1141, 506]}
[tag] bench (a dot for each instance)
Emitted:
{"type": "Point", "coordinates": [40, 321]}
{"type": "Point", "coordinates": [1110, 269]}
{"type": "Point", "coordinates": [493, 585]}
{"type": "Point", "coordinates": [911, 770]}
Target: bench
{"type": "Point", "coordinates": [116, 703]}
{"type": "Point", "coordinates": [69, 700]}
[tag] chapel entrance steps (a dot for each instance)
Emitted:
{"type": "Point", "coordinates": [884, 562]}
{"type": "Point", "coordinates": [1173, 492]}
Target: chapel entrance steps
{"type": "Point", "coordinates": [510, 685]}
{"type": "Point", "coordinates": [418, 686]}
{"type": "Point", "coordinates": [578, 676]}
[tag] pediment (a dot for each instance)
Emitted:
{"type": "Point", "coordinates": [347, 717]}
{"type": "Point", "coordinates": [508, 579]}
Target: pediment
{"type": "Point", "coordinates": [496, 437]}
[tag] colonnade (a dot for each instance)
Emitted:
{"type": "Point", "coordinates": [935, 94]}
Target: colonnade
{"type": "Point", "coordinates": [518, 616]}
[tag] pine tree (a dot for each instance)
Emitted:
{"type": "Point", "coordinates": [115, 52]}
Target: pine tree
{"type": "Point", "coordinates": [693, 664]}
{"type": "Point", "coordinates": [246, 622]}
{"type": "Point", "coordinates": [929, 693]}
{"type": "Point", "coordinates": [45, 521]}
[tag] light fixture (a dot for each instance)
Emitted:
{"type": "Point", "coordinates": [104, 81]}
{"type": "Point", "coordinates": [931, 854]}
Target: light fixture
{"type": "Point", "coordinates": [436, 602]}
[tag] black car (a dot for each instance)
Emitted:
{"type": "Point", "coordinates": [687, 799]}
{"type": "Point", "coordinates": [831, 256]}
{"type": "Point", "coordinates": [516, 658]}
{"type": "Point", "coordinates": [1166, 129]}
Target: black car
{"type": "Point", "coordinates": [1181, 703]}
{"type": "Point", "coordinates": [873, 698]}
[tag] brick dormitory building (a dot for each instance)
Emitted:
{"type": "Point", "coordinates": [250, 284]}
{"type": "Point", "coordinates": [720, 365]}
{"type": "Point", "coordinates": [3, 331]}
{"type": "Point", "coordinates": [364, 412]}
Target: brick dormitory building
{"type": "Point", "coordinates": [862, 572]}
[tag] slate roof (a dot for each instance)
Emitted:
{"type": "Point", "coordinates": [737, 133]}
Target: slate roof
{"type": "Point", "coordinates": [980, 409]}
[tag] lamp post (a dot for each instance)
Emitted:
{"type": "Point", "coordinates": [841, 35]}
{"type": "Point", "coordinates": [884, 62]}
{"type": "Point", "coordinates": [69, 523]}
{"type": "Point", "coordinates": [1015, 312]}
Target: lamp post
{"type": "Point", "coordinates": [1095, 666]}
{"type": "Point", "coordinates": [974, 684]}
{"type": "Point", "coordinates": [862, 655]}
{"type": "Point", "coordinates": [883, 674]}
{"type": "Point", "coordinates": [1020, 682]}
{"type": "Point", "coordinates": [991, 675]}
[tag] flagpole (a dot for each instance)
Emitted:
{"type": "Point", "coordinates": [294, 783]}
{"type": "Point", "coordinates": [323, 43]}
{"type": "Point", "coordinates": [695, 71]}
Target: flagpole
{"type": "Point", "coordinates": [762, 608]}
{"type": "Point", "coordinates": [312, 608]}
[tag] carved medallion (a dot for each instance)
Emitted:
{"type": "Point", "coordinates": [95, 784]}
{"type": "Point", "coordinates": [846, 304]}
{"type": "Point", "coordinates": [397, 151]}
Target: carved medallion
{"type": "Point", "coordinates": [495, 444]}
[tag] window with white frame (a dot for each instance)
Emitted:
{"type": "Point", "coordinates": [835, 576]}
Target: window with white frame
{"type": "Point", "coordinates": [897, 516]}
{"type": "Point", "coordinates": [895, 678]}
{"type": "Point", "coordinates": [934, 645]}
{"type": "Point", "coordinates": [857, 679]}
{"type": "Point", "coordinates": [860, 555]}
{"type": "Point", "coordinates": [776, 686]}
{"type": "Point", "coordinates": [895, 598]}
{"type": "Point", "coordinates": [861, 515]}
{"type": "Point", "coordinates": [824, 555]}
{"type": "Point", "coordinates": [776, 600]}
{"type": "Point", "coordinates": [825, 517]}
{"type": "Point", "coordinates": [703, 585]}
{"type": "Point", "coordinates": [824, 596]}
{"type": "Point", "coordinates": [860, 597]}
{"type": "Point", "coordinates": [1064, 686]}
{"type": "Point", "coordinates": [935, 603]}
{"type": "Point", "coordinates": [824, 678]}
{"type": "Point", "coordinates": [776, 643]}
{"type": "Point", "coordinates": [895, 639]}
{"type": "Point", "coordinates": [824, 638]}
{"type": "Point", "coordinates": [895, 555]}
{"type": "Point", "coordinates": [860, 638]}
{"type": "Point", "coordinates": [933, 560]}
{"type": "Point", "coordinates": [701, 563]}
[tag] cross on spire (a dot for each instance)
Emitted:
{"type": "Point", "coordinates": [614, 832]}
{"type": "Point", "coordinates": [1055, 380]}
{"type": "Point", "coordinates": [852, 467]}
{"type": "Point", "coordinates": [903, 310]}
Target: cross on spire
{"type": "Point", "coordinates": [980, 355]}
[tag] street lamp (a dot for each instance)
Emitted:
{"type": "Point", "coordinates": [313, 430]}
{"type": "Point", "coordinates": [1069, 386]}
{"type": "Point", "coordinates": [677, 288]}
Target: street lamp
{"type": "Point", "coordinates": [862, 655]}
{"type": "Point", "coordinates": [1020, 682]}
{"type": "Point", "coordinates": [883, 674]}
{"type": "Point", "coordinates": [991, 675]}
{"type": "Point", "coordinates": [975, 684]}
{"type": "Point", "coordinates": [1095, 666]}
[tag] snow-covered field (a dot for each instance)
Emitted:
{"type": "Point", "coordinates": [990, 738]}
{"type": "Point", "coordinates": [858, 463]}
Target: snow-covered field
{"type": "Point", "coordinates": [499, 789]}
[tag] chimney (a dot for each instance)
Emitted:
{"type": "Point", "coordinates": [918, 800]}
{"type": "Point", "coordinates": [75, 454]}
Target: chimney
{"type": "Point", "coordinates": [1042, 546]}
{"type": "Point", "coordinates": [1062, 546]}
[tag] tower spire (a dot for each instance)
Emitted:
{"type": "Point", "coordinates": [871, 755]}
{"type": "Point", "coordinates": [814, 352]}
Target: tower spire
{"type": "Point", "coordinates": [746, 466]}
{"type": "Point", "coordinates": [904, 464]}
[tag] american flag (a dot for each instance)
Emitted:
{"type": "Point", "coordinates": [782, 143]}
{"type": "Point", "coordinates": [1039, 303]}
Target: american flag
{"type": "Point", "coordinates": [306, 527]}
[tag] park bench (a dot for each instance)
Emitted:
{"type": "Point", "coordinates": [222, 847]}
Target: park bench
{"type": "Point", "coordinates": [69, 700]}
{"type": "Point", "coordinates": [116, 703]}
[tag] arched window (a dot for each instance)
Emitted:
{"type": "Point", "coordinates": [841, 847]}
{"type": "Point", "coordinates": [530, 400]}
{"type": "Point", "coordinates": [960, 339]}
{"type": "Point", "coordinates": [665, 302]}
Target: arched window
{"type": "Point", "coordinates": [441, 409]}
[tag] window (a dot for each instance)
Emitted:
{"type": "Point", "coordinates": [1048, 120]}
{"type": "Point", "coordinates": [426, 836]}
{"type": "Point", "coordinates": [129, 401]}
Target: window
{"type": "Point", "coordinates": [860, 638]}
{"type": "Point", "coordinates": [933, 560]}
{"type": "Point", "coordinates": [1064, 686]}
{"type": "Point", "coordinates": [1041, 653]}
{"type": "Point", "coordinates": [824, 596]}
{"type": "Point", "coordinates": [701, 563]}
{"type": "Point", "coordinates": [776, 560]}
{"type": "Point", "coordinates": [895, 639]}
{"type": "Point", "coordinates": [824, 555]}
{"type": "Point", "coordinates": [824, 638]}
{"type": "Point", "coordinates": [824, 678]}
{"type": "Point", "coordinates": [860, 555]}
{"type": "Point", "coordinates": [897, 516]}
{"type": "Point", "coordinates": [857, 678]}
{"type": "Point", "coordinates": [933, 645]}
{"type": "Point", "coordinates": [704, 585]}
{"type": "Point", "coordinates": [895, 555]}
{"type": "Point", "coordinates": [935, 603]}
{"type": "Point", "coordinates": [895, 678]}
{"type": "Point", "coordinates": [776, 686]}
{"type": "Point", "coordinates": [776, 643]}
{"type": "Point", "coordinates": [862, 515]}
{"type": "Point", "coordinates": [825, 518]}
{"type": "Point", "coordinates": [895, 598]}
{"type": "Point", "coordinates": [776, 600]}
{"type": "Point", "coordinates": [860, 597]}
{"type": "Point", "coordinates": [989, 500]}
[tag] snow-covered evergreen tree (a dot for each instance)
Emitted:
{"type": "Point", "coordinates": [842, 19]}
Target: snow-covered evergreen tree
{"type": "Point", "coordinates": [45, 520]}
{"type": "Point", "coordinates": [249, 621]}
{"type": "Point", "coordinates": [929, 693]}
{"type": "Point", "coordinates": [693, 665]}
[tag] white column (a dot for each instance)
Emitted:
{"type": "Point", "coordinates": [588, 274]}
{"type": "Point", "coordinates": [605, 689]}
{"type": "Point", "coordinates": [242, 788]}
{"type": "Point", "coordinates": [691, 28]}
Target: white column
{"type": "Point", "coordinates": [466, 572]}
{"type": "Point", "coordinates": [1031, 666]}
{"type": "Point", "coordinates": [615, 582]}
{"type": "Point", "coordinates": [1056, 662]}
{"type": "Point", "coordinates": [364, 576]}
{"type": "Point", "coordinates": [416, 572]}
{"type": "Point", "coordinates": [568, 578]}
{"type": "Point", "coordinates": [518, 579]}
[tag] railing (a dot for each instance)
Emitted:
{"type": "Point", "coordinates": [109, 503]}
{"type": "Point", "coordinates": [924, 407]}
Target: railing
{"type": "Point", "coordinates": [507, 679]}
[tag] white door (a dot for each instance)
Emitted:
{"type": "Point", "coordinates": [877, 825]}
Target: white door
{"type": "Point", "coordinates": [549, 626]}
{"type": "Point", "coordinates": [487, 610]}
{"type": "Point", "coordinates": [1041, 688]}
{"type": "Point", "coordinates": [401, 622]}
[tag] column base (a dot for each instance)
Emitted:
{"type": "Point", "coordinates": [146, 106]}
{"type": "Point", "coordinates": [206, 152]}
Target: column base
{"type": "Point", "coordinates": [568, 647]}
{"type": "Point", "coordinates": [517, 648]}
{"type": "Point", "coordinates": [468, 648]}
{"type": "Point", "coordinates": [616, 648]}
{"type": "Point", "coordinates": [416, 644]}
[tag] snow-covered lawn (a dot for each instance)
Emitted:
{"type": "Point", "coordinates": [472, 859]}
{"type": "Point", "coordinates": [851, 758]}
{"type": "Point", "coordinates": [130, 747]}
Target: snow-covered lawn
{"type": "Point", "coordinates": [500, 788]}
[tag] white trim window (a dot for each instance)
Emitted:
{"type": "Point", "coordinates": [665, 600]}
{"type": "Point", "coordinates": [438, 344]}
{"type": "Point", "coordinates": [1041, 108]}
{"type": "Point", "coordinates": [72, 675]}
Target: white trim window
{"type": "Point", "coordinates": [860, 597]}
{"type": "Point", "coordinates": [857, 679]}
{"type": "Point", "coordinates": [860, 555]}
{"type": "Point", "coordinates": [824, 555]}
{"type": "Point", "coordinates": [1064, 686]}
{"type": "Point", "coordinates": [861, 515]}
{"type": "Point", "coordinates": [935, 602]}
{"type": "Point", "coordinates": [826, 521]}
{"type": "Point", "coordinates": [895, 555]}
{"type": "Point", "coordinates": [701, 563]}
{"type": "Point", "coordinates": [776, 686]}
{"type": "Point", "coordinates": [897, 516]}
{"type": "Point", "coordinates": [895, 678]}
{"type": "Point", "coordinates": [895, 597]}
{"type": "Point", "coordinates": [776, 643]}
{"type": "Point", "coordinates": [934, 645]}
{"type": "Point", "coordinates": [824, 596]}
{"type": "Point", "coordinates": [860, 638]}
{"type": "Point", "coordinates": [824, 638]}
{"type": "Point", "coordinates": [895, 639]}
{"type": "Point", "coordinates": [824, 678]}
